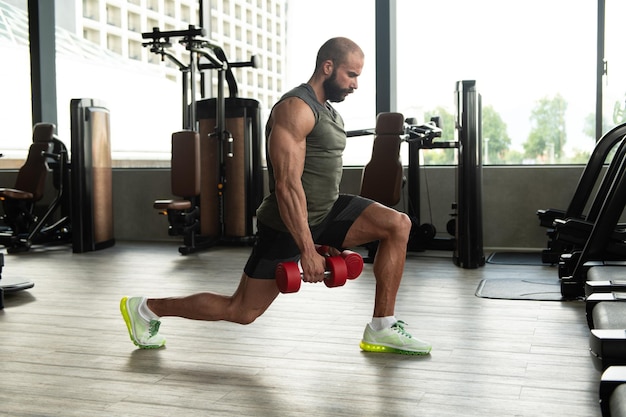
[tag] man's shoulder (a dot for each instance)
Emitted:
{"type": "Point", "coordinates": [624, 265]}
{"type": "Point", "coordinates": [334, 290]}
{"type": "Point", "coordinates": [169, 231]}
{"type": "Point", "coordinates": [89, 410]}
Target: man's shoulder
{"type": "Point", "coordinates": [293, 105]}
{"type": "Point", "coordinates": [305, 93]}
{"type": "Point", "coordinates": [301, 90]}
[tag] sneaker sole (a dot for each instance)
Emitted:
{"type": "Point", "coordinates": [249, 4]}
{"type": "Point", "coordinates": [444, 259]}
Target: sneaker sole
{"type": "Point", "coordinates": [126, 316]}
{"type": "Point", "coordinates": [368, 347]}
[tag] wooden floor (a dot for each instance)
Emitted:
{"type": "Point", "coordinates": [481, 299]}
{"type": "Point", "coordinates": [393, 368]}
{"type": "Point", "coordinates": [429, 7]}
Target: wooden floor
{"type": "Point", "coordinates": [66, 351]}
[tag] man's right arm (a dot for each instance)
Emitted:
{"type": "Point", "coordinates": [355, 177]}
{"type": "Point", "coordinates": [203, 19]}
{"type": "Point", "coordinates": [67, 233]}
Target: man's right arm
{"type": "Point", "coordinates": [291, 121]}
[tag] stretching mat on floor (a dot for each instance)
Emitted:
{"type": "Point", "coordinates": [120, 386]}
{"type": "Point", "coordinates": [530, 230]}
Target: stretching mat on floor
{"type": "Point", "coordinates": [542, 289]}
{"type": "Point", "coordinates": [515, 258]}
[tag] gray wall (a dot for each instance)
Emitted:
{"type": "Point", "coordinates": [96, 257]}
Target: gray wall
{"type": "Point", "coordinates": [511, 197]}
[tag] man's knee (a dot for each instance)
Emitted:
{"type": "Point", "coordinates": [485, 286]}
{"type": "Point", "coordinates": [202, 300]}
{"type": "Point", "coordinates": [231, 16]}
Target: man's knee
{"type": "Point", "coordinates": [379, 222]}
{"type": "Point", "coordinates": [395, 227]}
{"type": "Point", "coordinates": [251, 299]}
{"type": "Point", "coordinates": [243, 313]}
{"type": "Point", "coordinates": [242, 316]}
{"type": "Point", "coordinates": [402, 224]}
{"type": "Point", "coordinates": [247, 318]}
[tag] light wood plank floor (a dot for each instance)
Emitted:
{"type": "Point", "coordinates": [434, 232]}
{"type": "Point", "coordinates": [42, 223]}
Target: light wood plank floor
{"type": "Point", "coordinates": [65, 350]}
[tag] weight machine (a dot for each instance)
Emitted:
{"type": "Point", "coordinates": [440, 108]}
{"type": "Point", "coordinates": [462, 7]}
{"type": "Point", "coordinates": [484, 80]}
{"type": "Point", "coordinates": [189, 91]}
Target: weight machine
{"type": "Point", "coordinates": [465, 227]}
{"type": "Point", "coordinates": [231, 170]}
{"type": "Point", "coordinates": [26, 226]}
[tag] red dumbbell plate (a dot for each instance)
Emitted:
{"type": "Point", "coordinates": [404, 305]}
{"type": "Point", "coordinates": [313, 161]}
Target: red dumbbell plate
{"type": "Point", "coordinates": [288, 277]}
{"type": "Point", "coordinates": [354, 263]}
{"type": "Point", "coordinates": [338, 272]}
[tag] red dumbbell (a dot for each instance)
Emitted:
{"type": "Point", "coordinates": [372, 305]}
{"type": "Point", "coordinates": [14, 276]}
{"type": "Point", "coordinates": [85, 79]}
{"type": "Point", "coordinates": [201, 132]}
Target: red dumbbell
{"type": "Point", "coordinates": [354, 261]}
{"type": "Point", "coordinates": [289, 277]}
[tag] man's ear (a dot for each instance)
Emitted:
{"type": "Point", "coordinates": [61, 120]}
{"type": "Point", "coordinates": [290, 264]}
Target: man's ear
{"type": "Point", "coordinates": [328, 67]}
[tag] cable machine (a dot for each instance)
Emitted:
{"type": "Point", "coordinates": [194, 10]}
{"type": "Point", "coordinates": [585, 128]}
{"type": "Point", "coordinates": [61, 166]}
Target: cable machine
{"type": "Point", "coordinates": [465, 227]}
{"type": "Point", "coordinates": [230, 137]}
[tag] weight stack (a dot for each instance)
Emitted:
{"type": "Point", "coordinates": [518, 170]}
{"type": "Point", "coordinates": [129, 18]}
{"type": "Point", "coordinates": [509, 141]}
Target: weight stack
{"type": "Point", "coordinates": [231, 215]}
{"type": "Point", "coordinates": [91, 176]}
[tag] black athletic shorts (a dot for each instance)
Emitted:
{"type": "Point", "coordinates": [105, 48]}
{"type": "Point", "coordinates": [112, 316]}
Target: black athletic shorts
{"type": "Point", "coordinates": [273, 246]}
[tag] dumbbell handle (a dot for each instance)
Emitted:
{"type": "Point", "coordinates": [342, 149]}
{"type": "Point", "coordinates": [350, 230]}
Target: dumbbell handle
{"type": "Point", "coordinates": [354, 261]}
{"type": "Point", "coordinates": [327, 274]}
{"type": "Point", "coordinates": [289, 276]}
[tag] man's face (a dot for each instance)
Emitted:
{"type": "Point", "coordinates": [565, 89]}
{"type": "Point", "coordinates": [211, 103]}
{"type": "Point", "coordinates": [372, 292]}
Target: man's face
{"type": "Point", "coordinates": [343, 80]}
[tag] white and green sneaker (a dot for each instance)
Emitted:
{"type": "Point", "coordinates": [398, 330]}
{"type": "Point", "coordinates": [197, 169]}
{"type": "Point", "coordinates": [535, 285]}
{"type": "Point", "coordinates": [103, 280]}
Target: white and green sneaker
{"type": "Point", "coordinates": [144, 333]}
{"type": "Point", "coordinates": [394, 339]}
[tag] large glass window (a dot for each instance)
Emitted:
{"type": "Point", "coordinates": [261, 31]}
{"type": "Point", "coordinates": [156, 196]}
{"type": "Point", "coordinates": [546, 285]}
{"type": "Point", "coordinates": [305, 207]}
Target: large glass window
{"type": "Point", "coordinates": [100, 55]}
{"type": "Point", "coordinates": [310, 24]}
{"type": "Point", "coordinates": [141, 90]}
{"type": "Point", "coordinates": [614, 82]}
{"type": "Point", "coordinates": [15, 103]}
{"type": "Point", "coordinates": [533, 62]}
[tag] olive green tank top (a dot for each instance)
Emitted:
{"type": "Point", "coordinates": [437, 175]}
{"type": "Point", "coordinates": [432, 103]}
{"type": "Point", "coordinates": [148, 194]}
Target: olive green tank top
{"type": "Point", "coordinates": [322, 167]}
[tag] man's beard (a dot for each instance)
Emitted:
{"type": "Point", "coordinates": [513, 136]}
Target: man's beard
{"type": "Point", "coordinates": [333, 92]}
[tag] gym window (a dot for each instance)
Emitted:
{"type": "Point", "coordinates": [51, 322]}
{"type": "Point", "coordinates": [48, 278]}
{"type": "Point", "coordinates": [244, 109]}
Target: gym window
{"type": "Point", "coordinates": [536, 73]}
{"type": "Point", "coordinates": [534, 66]}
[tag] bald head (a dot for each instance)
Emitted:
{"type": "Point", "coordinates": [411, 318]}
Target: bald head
{"type": "Point", "coordinates": [336, 50]}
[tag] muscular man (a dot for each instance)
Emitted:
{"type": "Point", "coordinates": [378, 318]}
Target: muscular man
{"type": "Point", "coordinates": [305, 141]}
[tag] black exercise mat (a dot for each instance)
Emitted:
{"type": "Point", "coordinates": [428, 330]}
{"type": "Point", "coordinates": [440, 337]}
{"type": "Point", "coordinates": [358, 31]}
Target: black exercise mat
{"type": "Point", "coordinates": [542, 289]}
{"type": "Point", "coordinates": [515, 258]}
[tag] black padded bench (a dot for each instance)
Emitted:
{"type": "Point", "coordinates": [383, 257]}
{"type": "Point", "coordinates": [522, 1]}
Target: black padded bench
{"type": "Point", "coordinates": [613, 392]}
{"type": "Point", "coordinates": [605, 291]}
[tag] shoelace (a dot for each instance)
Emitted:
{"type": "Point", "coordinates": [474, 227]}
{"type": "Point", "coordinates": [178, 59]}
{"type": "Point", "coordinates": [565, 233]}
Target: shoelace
{"type": "Point", "coordinates": [154, 327]}
{"type": "Point", "coordinates": [399, 326]}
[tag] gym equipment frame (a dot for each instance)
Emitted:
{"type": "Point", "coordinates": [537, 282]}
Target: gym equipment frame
{"type": "Point", "coordinates": [26, 227]}
{"type": "Point", "coordinates": [583, 194]}
{"type": "Point", "coordinates": [467, 240]}
{"type": "Point", "coordinates": [231, 170]}
{"type": "Point", "coordinates": [92, 176]}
